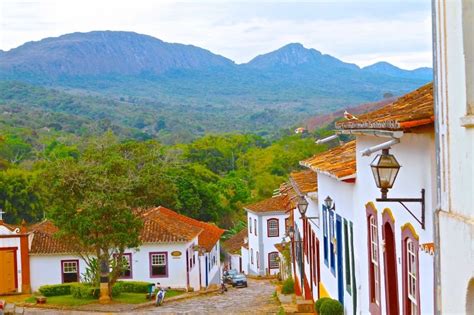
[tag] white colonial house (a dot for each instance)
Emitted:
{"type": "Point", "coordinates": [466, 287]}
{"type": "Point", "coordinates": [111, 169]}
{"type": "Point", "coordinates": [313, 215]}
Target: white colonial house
{"type": "Point", "coordinates": [176, 251]}
{"type": "Point", "coordinates": [373, 249]}
{"type": "Point", "coordinates": [266, 223]}
{"type": "Point", "coordinates": [233, 251]}
{"type": "Point", "coordinates": [453, 26]}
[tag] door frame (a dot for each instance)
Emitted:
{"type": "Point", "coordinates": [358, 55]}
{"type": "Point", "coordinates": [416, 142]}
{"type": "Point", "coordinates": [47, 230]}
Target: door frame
{"type": "Point", "coordinates": [339, 269]}
{"type": "Point", "coordinates": [15, 262]}
{"type": "Point", "coordinates": [391, 288]}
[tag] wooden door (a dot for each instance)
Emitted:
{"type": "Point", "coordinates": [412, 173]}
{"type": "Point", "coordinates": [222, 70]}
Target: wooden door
{"type": "Point", "coordinates": [391, 278]}
{"type": "Point", "coordinates": [8, 271]}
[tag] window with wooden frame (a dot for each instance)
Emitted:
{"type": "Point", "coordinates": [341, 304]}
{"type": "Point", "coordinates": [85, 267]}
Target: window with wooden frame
{"type": "Point", "coordinates": [127, 266]}
{"type": "Point", "coordinates": [325, 235]}
{"type": "Point", "coordinates": [70, 270]}
{"type": "Point", "coordinates": [273, 229]}
{"type": "Point", "coordinates": [347, 260]}
{"type": "Point", "coordinates": [251, 256]}
{"type": "Point", "coordinates": [410, 267]}
{"type": "Point", "coordinates": [374, 270]}
{"type": "Point", "coordinates": [257, 258]}
{"type": "Point", "coordinates": [332, 248]}
{"type": "Point", "coordinates": [255, 226]}
{"type": "Point", "coordinates": [158, 264]}
{"type": "Point", "coordinates": [273, 260]}
{"type": "Point", "coordinates": [250, 225]}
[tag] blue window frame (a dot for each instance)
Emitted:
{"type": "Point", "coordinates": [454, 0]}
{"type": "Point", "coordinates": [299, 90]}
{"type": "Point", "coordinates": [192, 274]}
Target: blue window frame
{"type": "Point", "coordinates": [331, 242]}
{"type": "Point", "coordinates": [325, 235]}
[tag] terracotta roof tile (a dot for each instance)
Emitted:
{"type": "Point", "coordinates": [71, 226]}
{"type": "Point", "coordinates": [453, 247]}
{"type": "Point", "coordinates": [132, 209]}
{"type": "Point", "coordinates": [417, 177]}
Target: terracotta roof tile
{"type": "Point", "coordinates": [305, 181]}
{"type": "Point", "coordinates": [273, 204]}
{"type": "Point", "coordinates": [338, 162]}
{"type": "Point", "coordinates": [160, 225]}
{"type": "Point", "coordinates": [235, 243]}
{"type": "Point", "coordinates": [411, 110]}
{"type": "Point", "coordinates": [210, 232]}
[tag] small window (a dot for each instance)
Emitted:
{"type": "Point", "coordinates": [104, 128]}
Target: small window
{"type": "Point", "coordinates": [158, 265]}
{"type": "Point", "coordinates": [468, 34]}
{"type": "Point", "coordinates": [411, 281]}
{"type": "Point", "coordinates": [273, 260]}
{"type": "Point", "coordinates": [332, 248]}
{"type": "Point", "coordinates": [374, 261]}
{"type": "Point", "coordinates": [258, 260]}
{"type": "Point", "coordinates": [287, 225]}
{"type": "Point", "coordinates": [255, 226]}
{"type": "Point", "coordinates": [251, 256]}
{"type": "Point", "coordinates": [347, 260]}
{"type": "Point", "coordinates": [70, 270]}
{"type": "Point", "coordinates": [127, 264]}
{"type": "Point", "coordinates": [273, 229]}
{"type": "Point", "coordinates": [325, 235]}
{"type": "Point", "coordinates": [250, 225]}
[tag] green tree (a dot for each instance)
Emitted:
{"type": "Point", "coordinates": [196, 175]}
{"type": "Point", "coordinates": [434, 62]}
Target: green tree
{"type": "Point", "coordinates": [91, 203]}
{"type": "Point", "coordinates": [14, 149]}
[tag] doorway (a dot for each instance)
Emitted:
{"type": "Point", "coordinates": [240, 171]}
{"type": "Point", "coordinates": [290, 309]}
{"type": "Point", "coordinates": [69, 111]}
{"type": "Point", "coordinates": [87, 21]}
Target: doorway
{"type": "Point", "coordinates": [8, 280]}
{"type": "Point", "coordinates": [390, 266]}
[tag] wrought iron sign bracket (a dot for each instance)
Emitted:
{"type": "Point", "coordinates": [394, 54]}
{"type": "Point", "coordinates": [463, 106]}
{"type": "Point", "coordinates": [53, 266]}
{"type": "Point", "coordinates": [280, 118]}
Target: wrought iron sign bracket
{"type": "Point", "coordinates": [402, 201]}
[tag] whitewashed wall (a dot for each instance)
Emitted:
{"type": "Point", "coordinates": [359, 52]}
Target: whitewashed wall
{"type": "Point", "coordinates": [245, 260]}
{"type": "Point", "coordinates": [254, 242]}
{"type": "Point", "coordinates": [455, 264]}
{"type": "Point", "coordinates": [416, 154]}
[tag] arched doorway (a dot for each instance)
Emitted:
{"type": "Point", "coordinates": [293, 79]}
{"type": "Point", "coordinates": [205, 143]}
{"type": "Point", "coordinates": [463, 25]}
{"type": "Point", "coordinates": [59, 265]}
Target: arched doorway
{"type": "Point", "coordinates": [390, 265]}
{"type": "Point", "coordinates": [470, 297]}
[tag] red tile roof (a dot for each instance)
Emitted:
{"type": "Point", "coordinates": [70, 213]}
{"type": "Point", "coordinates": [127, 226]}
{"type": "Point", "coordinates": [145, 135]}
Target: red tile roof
{"type": "Point", "coordinates": [160, 225]}
{"type": "Point", "coordinates": [304, 181]}
{"type": "Point", "coordinates": [338, 162]}
{"type": "Point", "coordinates": [409, 111]}
{"type": "Point", "coordinates": [235, 243]}
{"type": "Point", "coordinates": [210, 232]}
{"type": "Point", "coordinates": [273, 204]}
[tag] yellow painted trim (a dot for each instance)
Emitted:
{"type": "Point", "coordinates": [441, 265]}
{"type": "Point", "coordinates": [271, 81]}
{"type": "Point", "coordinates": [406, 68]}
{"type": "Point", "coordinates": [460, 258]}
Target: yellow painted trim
{"type": "Point", "coordinates": [322, 291]}
{"type": "Point", "coordinates": [412, 229]}
{"type": "Point", "coordinates": [371, 205]}
{"type": "Point", "coordinates": [390, 213]}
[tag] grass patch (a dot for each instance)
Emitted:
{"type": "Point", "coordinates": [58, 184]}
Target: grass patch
{"type": "Point", "coordinates": [130, 298]}
{"type": "Point", "coordinates": [68, 300]}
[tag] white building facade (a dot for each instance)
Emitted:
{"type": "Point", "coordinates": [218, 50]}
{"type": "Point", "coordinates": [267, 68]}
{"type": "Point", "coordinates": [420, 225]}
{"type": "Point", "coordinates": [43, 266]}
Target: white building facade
{"type": "Point", "coordinates": [453, 26]}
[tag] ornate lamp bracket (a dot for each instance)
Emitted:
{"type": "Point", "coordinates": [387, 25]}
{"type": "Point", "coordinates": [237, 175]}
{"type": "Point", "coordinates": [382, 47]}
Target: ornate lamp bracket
{"type": "Point", "coordinates": [402, 201]}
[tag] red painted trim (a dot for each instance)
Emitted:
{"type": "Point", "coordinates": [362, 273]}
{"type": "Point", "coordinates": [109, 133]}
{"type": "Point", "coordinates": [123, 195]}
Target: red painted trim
{"type": "Point", "coordinates": [373, 307]}
{"type": "Point", "coordinates": [15, 263]}
{"type": "Point", "coordinates": [62, 268]}
{"type": "Point", "coordinates": [131, 265]}
{"type": "Point", "coordinates": [318, 266]}
{"type": "Point", "coordinates": [269, 265]}
{"type": "Point", "coordinates": [407, 234]}
{"type": "Point", "coordinates": [13, 235]}
{"type": "Point", "coordinates": [308, 295]}
{"type": "Point", "coordinates": [149, 263]}
{"type": "Point", "coordinates": [391, 300]}
{"type": "Point", "coordinates": [278, 227]}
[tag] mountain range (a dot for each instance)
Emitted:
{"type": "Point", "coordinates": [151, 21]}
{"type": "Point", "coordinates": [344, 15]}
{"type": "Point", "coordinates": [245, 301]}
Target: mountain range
{"type": "Point", "coordinates": [273, 90]}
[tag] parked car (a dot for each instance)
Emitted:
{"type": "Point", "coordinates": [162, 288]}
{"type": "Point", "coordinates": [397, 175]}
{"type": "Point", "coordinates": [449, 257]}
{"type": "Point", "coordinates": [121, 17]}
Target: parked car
{"type": "Point", "coordinates": [229, 274]}
{"type": "Point", "coordinates": [239, 280]}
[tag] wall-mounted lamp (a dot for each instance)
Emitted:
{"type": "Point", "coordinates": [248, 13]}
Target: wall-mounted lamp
{"type": "Point", "coordinates": [385, 168]}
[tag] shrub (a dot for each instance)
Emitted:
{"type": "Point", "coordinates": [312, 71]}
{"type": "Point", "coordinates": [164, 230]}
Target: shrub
{"type": "Point", "coordinates": [56, 289]}
{"type": "Point", "coordinates": [332, 307]}
{"type": "Point", "coordinates": [83, 291]}
{"type": "Point", "coordinates": [132, 286]}
{"type": "Point", "coordinates": [320, 302]}
{"type": "Point", "coordinates": [116, 290]}
{"type": "Point", "coordinates": [288, 286]}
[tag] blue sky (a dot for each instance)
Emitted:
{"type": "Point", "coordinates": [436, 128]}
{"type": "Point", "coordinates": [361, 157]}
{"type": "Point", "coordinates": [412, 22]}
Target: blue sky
{"type": "Point", "coordinates": [362, 32]}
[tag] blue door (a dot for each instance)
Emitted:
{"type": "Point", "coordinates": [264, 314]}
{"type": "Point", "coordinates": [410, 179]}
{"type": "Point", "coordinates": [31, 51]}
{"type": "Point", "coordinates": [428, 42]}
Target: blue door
{"type": "Point", "coordinates": [340, 276]}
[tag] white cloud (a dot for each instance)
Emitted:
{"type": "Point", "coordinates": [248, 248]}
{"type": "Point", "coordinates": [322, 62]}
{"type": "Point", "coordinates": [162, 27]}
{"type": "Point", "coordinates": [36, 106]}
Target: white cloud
{"type": "Point", "coordinates": [362, 33]}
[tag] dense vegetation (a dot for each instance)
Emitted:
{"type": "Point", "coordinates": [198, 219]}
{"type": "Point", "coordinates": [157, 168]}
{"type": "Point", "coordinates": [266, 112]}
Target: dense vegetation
{"type": "Point", "coordinates": [208, 179]}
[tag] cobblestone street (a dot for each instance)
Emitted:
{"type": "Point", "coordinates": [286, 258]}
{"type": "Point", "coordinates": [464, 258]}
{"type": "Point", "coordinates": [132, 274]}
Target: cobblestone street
{"type": "Point", "coordinates": [257, 298]}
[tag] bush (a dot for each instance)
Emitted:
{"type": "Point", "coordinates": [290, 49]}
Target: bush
{"type": "Point", "coordinates": [320, 302]}
{"type": "Point", "coordinates": [56, 289]}
{"type": "Point", "coordinates": [83, 291]}
{"type": "Point", "coordinates": [332, 307]}
{"type": "Point", "coordinates": [288, 286]}
{"type": "Point", "coordinates": [116, 290]}
{"type": "Point", "coordinates": [132, 286]}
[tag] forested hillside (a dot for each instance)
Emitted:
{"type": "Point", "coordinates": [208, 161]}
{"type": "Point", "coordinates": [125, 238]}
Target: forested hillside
{"type": "Point", "coordinates": [209, 179]}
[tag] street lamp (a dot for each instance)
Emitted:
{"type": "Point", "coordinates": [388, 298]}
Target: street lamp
{"type": "Point", "coordinates": [385, 169]}
{"type": "Point", "coordinates": [291, 232]}
{"type": "Point", "coordinates": [329, 203]}
{"type": "Point", "coordinates": [302, 206]}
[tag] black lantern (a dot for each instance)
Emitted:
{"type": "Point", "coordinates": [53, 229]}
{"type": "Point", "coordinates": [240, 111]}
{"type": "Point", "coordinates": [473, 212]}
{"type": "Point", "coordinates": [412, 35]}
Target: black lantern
{"type": "Point", "coordinates": [302, 206]}
{"type": "Point", "coordinates": [329, 203]}
{"type": "Point", "coordinates": [385, 168]}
